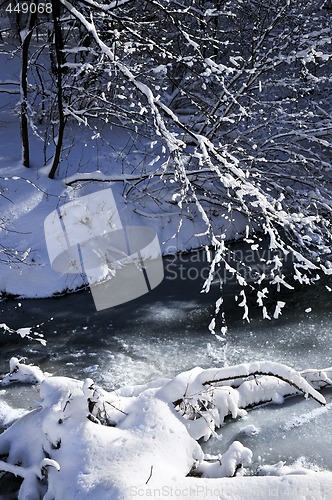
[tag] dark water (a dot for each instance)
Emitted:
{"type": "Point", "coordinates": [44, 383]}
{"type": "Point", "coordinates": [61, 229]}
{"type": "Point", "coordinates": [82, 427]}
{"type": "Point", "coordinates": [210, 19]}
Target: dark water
{"type": "Point", "coordinates": [165, 332]}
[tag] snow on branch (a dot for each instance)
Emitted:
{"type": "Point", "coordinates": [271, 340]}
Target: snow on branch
{"type": "Point", "coordinates": [172, 142]}
{"type": "Point", "coordinates": [206, 397]}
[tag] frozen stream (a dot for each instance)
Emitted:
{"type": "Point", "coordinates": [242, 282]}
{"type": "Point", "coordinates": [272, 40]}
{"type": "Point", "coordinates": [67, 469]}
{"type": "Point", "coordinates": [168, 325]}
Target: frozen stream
{"type": "Point", "coordinates": [165, 332]}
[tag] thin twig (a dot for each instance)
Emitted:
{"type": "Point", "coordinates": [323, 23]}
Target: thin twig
{"type": "Point", "coordinates": [148, 479]}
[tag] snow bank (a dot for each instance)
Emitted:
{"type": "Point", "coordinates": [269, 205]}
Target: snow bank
{"type": "Point", "coordinates": [83, 442]}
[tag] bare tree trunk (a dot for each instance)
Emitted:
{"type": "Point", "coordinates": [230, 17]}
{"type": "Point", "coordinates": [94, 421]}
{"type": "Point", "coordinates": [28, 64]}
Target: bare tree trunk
{"type": "Point", "coordinates": [25, 38]}
{"type": "Point", "coordinates": [58, 42]}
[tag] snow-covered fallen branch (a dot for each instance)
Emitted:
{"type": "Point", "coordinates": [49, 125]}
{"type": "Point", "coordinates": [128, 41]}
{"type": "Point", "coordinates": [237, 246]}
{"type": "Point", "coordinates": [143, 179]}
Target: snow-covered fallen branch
{"type": "Point", "coordinates": [84, 442]}
{"type": "Point", "coordinates": [20, 372]}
